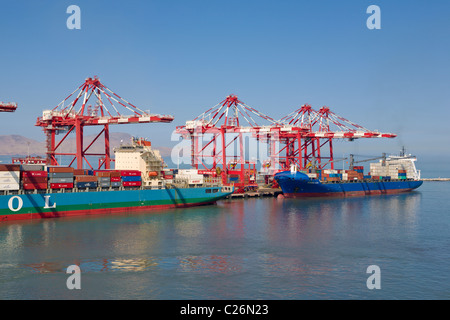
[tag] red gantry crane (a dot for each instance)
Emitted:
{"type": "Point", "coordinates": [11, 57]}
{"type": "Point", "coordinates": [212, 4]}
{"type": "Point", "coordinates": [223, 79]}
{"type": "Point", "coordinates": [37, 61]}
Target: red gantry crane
{"type": "Point", "coordinates": [217, 141]}
{"type": "Point", "coordinates": [66, 118]}
{"type": "Point", "coordinates": [8, 106]}
{"type": "Point", "coordinates": [307, 133]}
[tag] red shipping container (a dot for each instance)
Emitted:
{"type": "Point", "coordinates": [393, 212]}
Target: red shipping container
{"type": "Point", "coordinates": [115, 173]}
{"type": "Point", "coordinates": [61, 185]}
{"type": "Point", "coordinates": [9, 167]}
{"type": "Point", "coordinates": [115, 179]}
{"type": "Point", "coordinates": [168, 176]}
{"type": "Point", "coordinates": [85, 178]}
{"type": "Point", "coordinates": [80, 172]}
{"type": "Point", "coordinates": [33, 186]}
{"type": "Point", "coordinates": [34, 179]}
{"type": "Point", "coordinates": [130, 173]}
{"type": "Point", "coordinates": [61, 169]}
{"type": "Point", "coordinates": [102, 173]}
{"type": "Point", "coordinates": [34, 174]}
{"type": "Point", "coordinates": [131, 183]}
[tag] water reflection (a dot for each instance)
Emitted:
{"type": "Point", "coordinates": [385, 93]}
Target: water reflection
{"type": "Point", "coordinates": [89, 266]}
{"type": "Point", "coordinates": [278, 248]}
{"type": "Point", "coordinates": [214, 263]}
{"type": "Point", "coordinates": [401, 210]}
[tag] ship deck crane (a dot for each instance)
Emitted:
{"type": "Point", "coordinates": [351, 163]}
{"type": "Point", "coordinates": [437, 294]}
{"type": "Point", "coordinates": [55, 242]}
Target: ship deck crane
{"type": "Point", "coordinates": [66, 118]}
{"type": "Point", "coordinates": [352, 160]}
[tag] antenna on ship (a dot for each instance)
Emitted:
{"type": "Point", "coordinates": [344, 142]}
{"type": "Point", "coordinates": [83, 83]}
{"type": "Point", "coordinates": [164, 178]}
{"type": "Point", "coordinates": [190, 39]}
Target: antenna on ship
{"type": "Point", "coordinates": [403, 152]}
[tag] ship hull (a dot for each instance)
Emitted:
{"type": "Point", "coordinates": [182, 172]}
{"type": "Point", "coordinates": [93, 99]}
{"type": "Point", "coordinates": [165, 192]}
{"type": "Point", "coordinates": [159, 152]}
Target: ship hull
{"type": "Point", "coordinates": [53, 205]}
{"type": "Point", "coordinates": [297, 185]}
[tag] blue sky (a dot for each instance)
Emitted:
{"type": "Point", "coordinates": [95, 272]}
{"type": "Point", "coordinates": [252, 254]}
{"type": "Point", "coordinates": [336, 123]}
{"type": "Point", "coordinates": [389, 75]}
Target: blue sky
{"type": "Point", "coordinates": [183, 57]}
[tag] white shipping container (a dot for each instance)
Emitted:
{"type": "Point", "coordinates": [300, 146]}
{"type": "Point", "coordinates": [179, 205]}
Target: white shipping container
{"type": "Point", "coordinates": [10, 174]}
{"type": "Point", "coordinates": [9, 180]}
{"type": "Point", "coordinates": [188, 171]}
{"type": "Point", "coordinates": [9, 186]}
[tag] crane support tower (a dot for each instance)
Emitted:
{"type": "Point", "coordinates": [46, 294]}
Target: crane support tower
{"type": "Point", "coordinates": [65, 118]}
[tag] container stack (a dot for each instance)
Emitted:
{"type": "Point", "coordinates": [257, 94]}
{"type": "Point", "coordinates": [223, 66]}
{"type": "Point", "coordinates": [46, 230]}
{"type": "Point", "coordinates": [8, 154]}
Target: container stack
{"type": "Point", "coordinates": [392, 168]}
{"type": "Point", "coordinates": [103, 178]}
{"type": "Point", "coordinates": [86, 181]}
{"type": "Point", "coordinates": [9, 177]}
{"type": "Point", "coordinates": [331, 175]}
{"type": "Point", "coordinates": [115, 179]}
{"type": "Point", "coordinates": [131, 178]}
{"type": "Point", "coordinates": [60, 177]}
{"type": "Point", "coordinates": [193, 177]}
{"type": "Point", "coordinates": [402, 174]}
{"type": "Point", "coordinates": [34, 179]}
{"type": "Point", "coordinates": [352, 175]}
{"type": "Point", "coordinates": [359, 171]}
{"type": "Point", "coordinates": [312, 175]}
{"type": "Point", "coordinates": [167, 174]}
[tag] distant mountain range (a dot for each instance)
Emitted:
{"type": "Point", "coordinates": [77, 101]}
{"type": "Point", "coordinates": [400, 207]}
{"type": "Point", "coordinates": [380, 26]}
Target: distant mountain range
{"type": "Point", "coordinates": [16, 145]}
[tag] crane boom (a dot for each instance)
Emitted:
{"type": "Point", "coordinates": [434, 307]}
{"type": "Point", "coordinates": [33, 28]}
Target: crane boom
{"type": "Point", "coordinates": [8, 107]}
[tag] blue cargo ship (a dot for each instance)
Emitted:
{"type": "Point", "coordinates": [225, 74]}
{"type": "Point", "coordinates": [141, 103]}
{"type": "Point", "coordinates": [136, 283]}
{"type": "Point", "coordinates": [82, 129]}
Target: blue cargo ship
{"type": "Point", "coordinates": [352, 182]}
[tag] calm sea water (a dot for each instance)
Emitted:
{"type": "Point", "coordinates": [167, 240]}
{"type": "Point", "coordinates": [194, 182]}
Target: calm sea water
{"type": "Point", "coordinates": [263, 248]}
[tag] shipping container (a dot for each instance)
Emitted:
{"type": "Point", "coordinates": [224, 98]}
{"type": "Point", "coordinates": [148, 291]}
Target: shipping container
{"type": "Point", "coordinates": [131, 183]}
{"type": "Point", "coordinates": [34, 180]}
{"type": "Point", "coordinates": [86, 178]}
{"type": "Point", "coordinates": [83, 172]}
{"type": "Point", "coordinates": [60, 180]}
{"type": "Point", "coordinates": [32, 167]}
{"type": "Point", "coordinates": [131, 178]}
{"type": "Point", "coordinates": [35, 186]}
{"type": "Point", "coordinates": [9, 186]}
{"type": "Point", "coordinates": [102, 173]}
{"type": "Point", "coordinates": [10, 174]}
{"type": "Point", "coordinates": [60, 169]}
{"type": "Point", "coordinates": [89, 184]}
{"type": "Point", "coordinates": [61, 185]}
{"type": "Point", "coordinates": [34, 174]}
{"type": "Point", "coordinates": [127, 173]}
{"type": "Point", "coordinates": [115, 174]}
{"type": "Point", "coordinates": [60, 175]}
{"type": "Point", "coordinates": [9, 167]}
{"type": "Point", "coordinates": [9, 180]}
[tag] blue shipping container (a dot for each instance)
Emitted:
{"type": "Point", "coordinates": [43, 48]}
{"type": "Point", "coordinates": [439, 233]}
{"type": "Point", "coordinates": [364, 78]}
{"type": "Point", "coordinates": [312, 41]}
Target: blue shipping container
{"type": "Point", "coordinates": [132, 178]}
{"type": "Point", "coordinates": [90, 184]}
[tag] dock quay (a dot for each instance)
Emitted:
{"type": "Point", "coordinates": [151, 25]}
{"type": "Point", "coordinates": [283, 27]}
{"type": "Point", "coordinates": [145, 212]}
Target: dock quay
{"type": "Point", "coordinates": [263, 192]}
{"type": "Point", "coordinates": [436, 179]}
